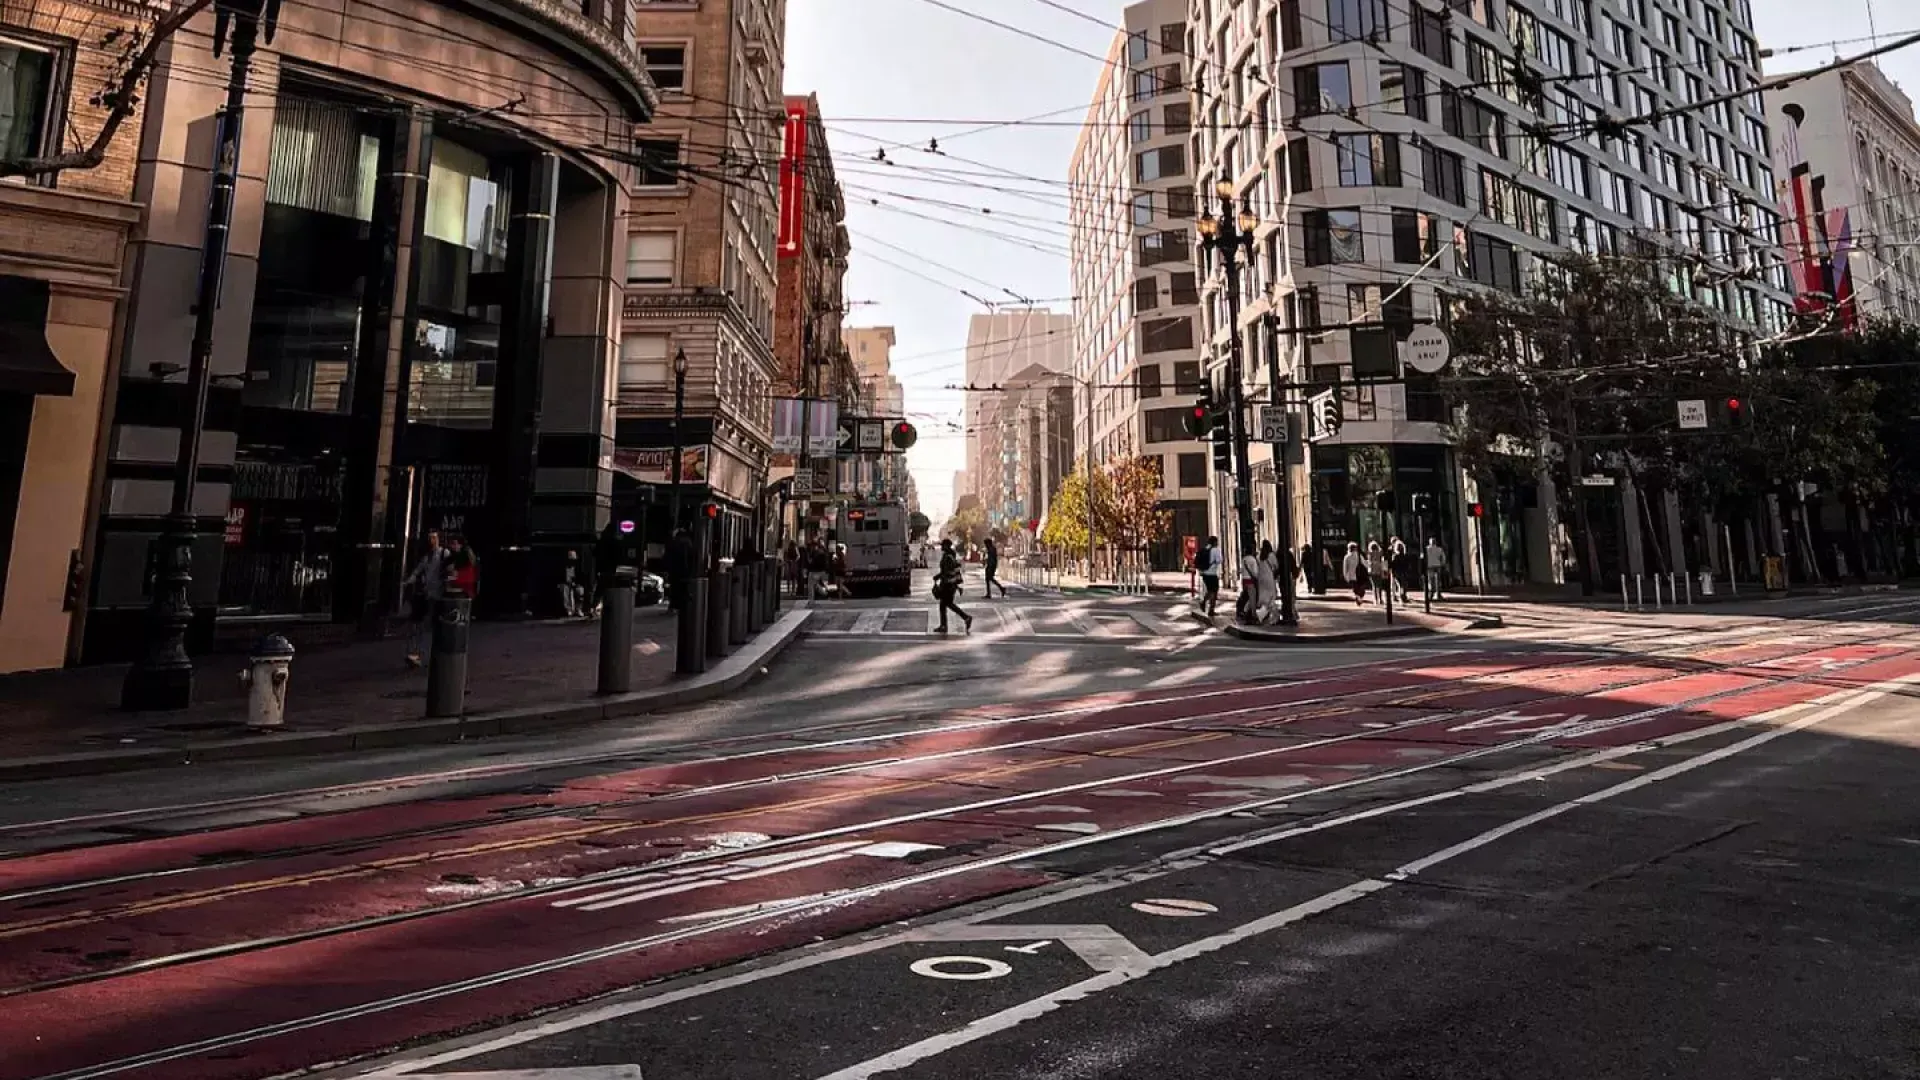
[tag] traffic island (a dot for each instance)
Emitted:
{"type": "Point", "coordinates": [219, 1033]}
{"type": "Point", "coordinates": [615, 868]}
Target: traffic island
{"type": "Point", "coordinates": [1327, 622]}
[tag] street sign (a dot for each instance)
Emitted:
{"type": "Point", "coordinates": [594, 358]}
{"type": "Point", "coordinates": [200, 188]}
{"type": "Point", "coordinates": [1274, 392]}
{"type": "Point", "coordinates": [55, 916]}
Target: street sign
{"type": "Point", "coordinates": [1323, 416]}
{"type": "Point", "coordinates": [1693, 415]}
{"type": "Point", "coordinates": [1596, 481]}
{"type": "Point", "coordinates": [1427, 349]}
{"type": "Point", "coordinates": [873, 436]}
{"type": "Point", "coordinates": [846, 435]}
{"type": "Point", "coordinates": [802, 483]}
{"type": "Point", "coordinates": [1273, 423]}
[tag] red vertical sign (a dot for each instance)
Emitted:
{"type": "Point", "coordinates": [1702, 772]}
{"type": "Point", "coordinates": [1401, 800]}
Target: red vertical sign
{"type": "Point", "coordinates": [793, 175]}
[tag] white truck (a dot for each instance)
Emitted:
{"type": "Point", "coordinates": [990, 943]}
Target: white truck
{"type": "Point", "coordinates": [875, 534]}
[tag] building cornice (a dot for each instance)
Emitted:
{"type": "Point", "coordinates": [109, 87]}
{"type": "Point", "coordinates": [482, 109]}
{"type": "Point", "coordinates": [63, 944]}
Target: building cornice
{"type": "Point", "coordinates": [563, 24]}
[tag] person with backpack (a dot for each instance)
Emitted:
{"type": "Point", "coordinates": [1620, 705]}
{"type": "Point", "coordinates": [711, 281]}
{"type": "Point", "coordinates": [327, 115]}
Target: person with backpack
{"type": "Point", "coordinates": [1208, 563]}
{"type": "Point", "coordinates": [946, 586]}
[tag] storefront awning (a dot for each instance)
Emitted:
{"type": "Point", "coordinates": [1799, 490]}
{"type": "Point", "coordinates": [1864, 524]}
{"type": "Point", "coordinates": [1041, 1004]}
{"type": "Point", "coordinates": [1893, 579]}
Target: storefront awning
{"type": "Point", "coordinates": [27, 363]}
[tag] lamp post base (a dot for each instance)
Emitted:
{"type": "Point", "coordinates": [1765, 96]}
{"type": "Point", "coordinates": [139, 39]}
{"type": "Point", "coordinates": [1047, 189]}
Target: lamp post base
{"type": "Point", "coordinates": [162, 679]}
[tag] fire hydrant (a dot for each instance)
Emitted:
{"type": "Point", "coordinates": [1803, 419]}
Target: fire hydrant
{"type": "Point", "coordinates": [266, 680]}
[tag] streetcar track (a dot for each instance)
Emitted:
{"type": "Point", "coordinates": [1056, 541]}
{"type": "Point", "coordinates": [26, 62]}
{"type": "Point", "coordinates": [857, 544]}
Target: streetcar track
{"type": "Point", "coordinates": [842, 896]}
{"type": "Point", "coordinates": [629, 873]}
{"type": "Point", "coordinates": [659, 755]}
{"type": "Point", "coordinates": [586, 811]}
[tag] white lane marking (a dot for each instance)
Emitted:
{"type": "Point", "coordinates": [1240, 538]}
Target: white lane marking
{"type": "Point", "coordinates": [1014, 621]}
{"type": "Point", "coordinates": [969, 968]}
{"type": "Point", "coordinates": [1178, 860]}
{"type": "Point", "coordinates": [1007, 1019]}
{"type": "Point", "coordinates": [743, 909]}
{"type": "Point", "coordinates": [871, 622]}
{"type": "Point", "coordinates": [1029, 950]}
{"type": "Point", "coordinates": [1174, 909]}
{"type": "Point", "coordinates": [744, 869]}
{"type": "Point", "coordinates": [1086, 828]}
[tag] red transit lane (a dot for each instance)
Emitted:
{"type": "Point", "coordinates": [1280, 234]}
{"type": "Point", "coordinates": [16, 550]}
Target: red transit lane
{"type": "Point", "coordinates": [346, 933]}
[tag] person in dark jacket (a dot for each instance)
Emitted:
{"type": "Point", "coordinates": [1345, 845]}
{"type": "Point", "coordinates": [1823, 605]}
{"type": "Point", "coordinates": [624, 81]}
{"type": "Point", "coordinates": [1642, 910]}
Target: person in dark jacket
{"type": "Point", "coordinates": [993, 568]}
{"type": "Point", "coordinates": [946, 586]}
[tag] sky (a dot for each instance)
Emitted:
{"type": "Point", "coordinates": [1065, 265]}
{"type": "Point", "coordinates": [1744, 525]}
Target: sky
{"type": "Point", "coordinates": [894, 74]}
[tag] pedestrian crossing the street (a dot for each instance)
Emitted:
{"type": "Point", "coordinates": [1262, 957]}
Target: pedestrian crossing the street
{"type": "Point", "coordinates": [1010, 620]}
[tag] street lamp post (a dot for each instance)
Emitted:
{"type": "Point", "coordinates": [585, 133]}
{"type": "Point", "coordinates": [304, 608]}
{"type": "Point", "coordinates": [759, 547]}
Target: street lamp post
{"type": "Point", "coordinates": [1283, 487]}
{"type": "Point", "coordinates": [1230, 235]}
{"type": "Point", "coordinates": [163, 677]}
{"type": "Point", "coordinates": [679, 415]}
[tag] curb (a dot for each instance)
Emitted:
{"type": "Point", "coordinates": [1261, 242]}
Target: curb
{"type": "Point", "coordinates": [1414, 623]}
{"type": "Point", "coordinates": [731, 673]}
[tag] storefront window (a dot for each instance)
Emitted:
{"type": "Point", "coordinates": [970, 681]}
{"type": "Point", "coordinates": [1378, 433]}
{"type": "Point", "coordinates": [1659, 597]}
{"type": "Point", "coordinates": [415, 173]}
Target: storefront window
{"type": "Point", "coordinates": [462, 285]}
{"type": "Point", "coordinates": [315, 250]}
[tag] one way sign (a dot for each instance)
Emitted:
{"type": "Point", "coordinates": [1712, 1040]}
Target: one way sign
{"type": "Point", "coordinates": [844, 437]}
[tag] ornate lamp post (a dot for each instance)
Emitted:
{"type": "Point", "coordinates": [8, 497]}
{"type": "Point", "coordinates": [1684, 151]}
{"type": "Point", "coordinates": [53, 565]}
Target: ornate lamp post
{"type": "Point", "coordinates": [163, 677]}
{"type": "Point", "coordinates": [1230, 236]}
{"type": "Point", "coordinates": [679, 415]}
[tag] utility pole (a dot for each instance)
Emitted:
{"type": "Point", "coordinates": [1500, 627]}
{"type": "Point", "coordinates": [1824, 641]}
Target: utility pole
{"type": "Point", "coordinates": [1231, 235]}
{"type": "Point", "coordinates": [163, 677]}
{"type": "Point", "coordinates": [1088, 383]}
{"type": "Point", "coordinates": [1282, 450]}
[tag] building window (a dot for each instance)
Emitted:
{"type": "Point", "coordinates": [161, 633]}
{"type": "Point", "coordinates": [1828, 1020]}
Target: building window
{"type": "Point", "coordinates": [1403, 89]}
{"type": "Point", "coordinates": [1168, 245]}
{"type": "Point", "coordinates": [1300, 165]}
{"type": "Point", "coordinates": [1137, 47]}
{"type": "Point", "coordinates": [1332, 236]}
{"type": "Point", "coordinates": [1177, 119]}
{"type": "Point", "coordinates": [1368, 160]}
{"type": "Point", "coordinates": [27, 101]}
{"type": "Point", "coordinates": [667, 66]}
{"type": "Point", "coordinates": [650, 258]}
{"type": "Point", "coordinates": [1146, 293]}
{"type": "Point", "coordinates": [1184, 288]}
{"type": "Point", "coordinates": [1486, 260]}
{"type": "Point", "coordinates": [1179, 203]}
{"type": "Point", "coordinates": [1141, 127]}
{"type": "Point", "coordinates": [643, 362]}
{"type": "Point", "coordinates": [1443, 175]}
{"type": "Point", "coordinates": [1165, 425]}
{"type": "Point", "coordinates": [1166, 335]}
{"type": "Point", "coordinates": [1143, 208]}
{"type": "Point", "coordinates": [1357, 20]}
{"type": "Point", "coordinates": [1289, 25]}
{"type": "Point", "coordinates": [1186, 377]}
{"type": "Point", "coordinates": [657, 162]}
{"type": "Point", "coordinates": [1167, 161]}
{"type": "Point", "coordinates": [1193, 470]}
{"type": "Point", "coordinates": [1321, 88]}
{"type": "Point", "coordinates": [1147, 379]}
{"type": "Point", "coordinates": [1173, 37]}
{"type": "Point", "coordinates": [1430, 36]}
{"type": "Point", "coordinates": [1416, 236]}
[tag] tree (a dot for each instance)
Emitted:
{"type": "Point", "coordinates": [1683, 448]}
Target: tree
{"type": "Point", "coordinates": [968, 525]}
{"type": "Point", "coordinates": [1066, 526]}
{"type": "Point", "coordinates": [127, 54]}
{"type": "Point", "coordinates": [1132, 517]}
{"type": "Point", "coordinates": [1580, 376]}
{"type": "Point", "coordinates": [918, 526]}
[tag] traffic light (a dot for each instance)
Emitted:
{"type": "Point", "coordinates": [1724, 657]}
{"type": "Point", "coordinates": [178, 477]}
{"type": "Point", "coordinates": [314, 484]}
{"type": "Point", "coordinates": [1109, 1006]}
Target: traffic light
{"type": "Point", "coordinates": [710, 511]}
{"type": "Point", "coordinates": [1222, 449]}
{"type": "Point", "coordinates": [1736, 413]}
{"type": "Point", "coordinates": [1422, 504]}
{"type": "Point", "coordinates": [1199, 419]}
{"type": "Point", "coordinates": [904, 435]}
{"type": "Point", "coordinates": [1476, 510]}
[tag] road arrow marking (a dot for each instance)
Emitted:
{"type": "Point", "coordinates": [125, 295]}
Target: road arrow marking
{"type": "Point", "coordinates": [1029, 950]}
{"type": "Point", "coordinates": [1102, 947]}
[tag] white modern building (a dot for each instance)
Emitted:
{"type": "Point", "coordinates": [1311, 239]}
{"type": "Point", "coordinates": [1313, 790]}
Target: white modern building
{"type": "Point", "coordinates": [1401, 153]}
{"type": "Point", "coordinates": [1136, 294]}
{"type": "Point", "coordinates": [1847, 154]}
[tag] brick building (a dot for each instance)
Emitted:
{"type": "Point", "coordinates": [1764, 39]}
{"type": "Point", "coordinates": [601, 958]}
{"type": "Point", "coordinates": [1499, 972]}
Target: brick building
{"type": "Point", "coordinates": [62, 245]}
{"type": "Point", "coordinates": [701, 277]}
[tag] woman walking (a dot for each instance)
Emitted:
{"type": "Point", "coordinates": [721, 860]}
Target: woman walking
{"type": "Point", "coordinates": [1355, 571]}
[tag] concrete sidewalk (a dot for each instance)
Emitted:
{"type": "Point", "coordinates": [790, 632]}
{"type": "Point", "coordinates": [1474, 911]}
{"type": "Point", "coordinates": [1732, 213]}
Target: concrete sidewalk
{"type": "Point", "coordinates": [522, 677]}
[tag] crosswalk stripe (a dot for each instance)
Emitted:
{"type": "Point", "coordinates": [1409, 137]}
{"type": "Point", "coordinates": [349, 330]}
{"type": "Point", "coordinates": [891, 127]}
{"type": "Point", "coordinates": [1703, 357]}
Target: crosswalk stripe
{"type": "Point", "coordinates": [872, 622]}
{"type": "Point", "coordinates": [1014, 621]}
{"type": "Point", "coordinates": [1084, 623]}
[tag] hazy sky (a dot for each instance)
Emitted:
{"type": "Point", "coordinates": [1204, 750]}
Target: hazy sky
{"type": "Point", "coordinates": [878, 64]}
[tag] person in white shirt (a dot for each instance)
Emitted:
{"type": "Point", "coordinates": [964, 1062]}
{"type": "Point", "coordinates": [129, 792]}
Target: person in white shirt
{"type": "Point", "coordinates": [1208, 564]}
{"type": "Point", "coordinates": [1436, 566]}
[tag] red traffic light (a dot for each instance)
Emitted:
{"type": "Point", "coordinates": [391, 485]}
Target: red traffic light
{"type": "Point", "coordinates": [1476, 509]}
{"type": "Point", "coordinates": [1199, 412]}
{"type": "Point", "coordinates": [1733, 404]}
{"type": "Point", "coordinates": [904, 435]}
{"type": "Point", "coordinates": [711, 510]}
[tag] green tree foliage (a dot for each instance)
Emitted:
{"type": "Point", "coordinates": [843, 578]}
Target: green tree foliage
{"type": "Point", "coordinates": [1133, 519]}
{"type": "Point", "coordinates": [918, 526]}
{"type": "Point", "coordinates": [968, 525]}
{"type": "Point", "coordinates": [1066, 525]}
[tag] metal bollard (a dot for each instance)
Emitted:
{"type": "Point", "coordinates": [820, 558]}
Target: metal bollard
{"type": "Point", "coordinates": [1656, 592]}
{"type": "Point", "coordinates": [737, 604]}
{"type": "Point", "coordinates": [1639, 592]}
{"type": "Point", "coordinates": [719, 612]}
{"type": "Point", "coordinates": [616, 634]}
{"type": "Point", "coordinates": [266, 681]}
{"type": "Point", "coordinates": [691, 645]}
{"type": "Point", "coordinates": [1625, 603]}
{"type": "Point", "coordinates": [1689, 580]}
{"type": "Point", "coordinates": [447, 660]}
{"type": "Point", "coordinates": [757, 599]}
{"type": "Point", "coordinates": [770, 597]}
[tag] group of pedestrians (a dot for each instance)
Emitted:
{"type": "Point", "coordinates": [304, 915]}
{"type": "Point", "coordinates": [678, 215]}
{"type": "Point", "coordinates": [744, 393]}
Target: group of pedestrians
{"type": "Point", "coordinates": [453, 569]}
{"type": "Point", "coordinates": [1372, 573]}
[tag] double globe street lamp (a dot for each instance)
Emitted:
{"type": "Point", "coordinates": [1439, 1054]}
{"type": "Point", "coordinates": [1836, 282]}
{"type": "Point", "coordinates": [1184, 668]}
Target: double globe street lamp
{"type": "Point", "coordinates": [1229, 235]}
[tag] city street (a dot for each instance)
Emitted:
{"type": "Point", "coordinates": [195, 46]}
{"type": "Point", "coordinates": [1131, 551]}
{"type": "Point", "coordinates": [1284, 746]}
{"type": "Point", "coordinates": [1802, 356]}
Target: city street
{"type": "Point", "coordinates": [1687, 850]}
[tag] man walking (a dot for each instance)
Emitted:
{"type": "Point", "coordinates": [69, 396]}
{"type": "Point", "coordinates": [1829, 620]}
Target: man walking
{"type": "Point", "coordinates": [993, 568]}
{"type": "Point", "coordinates": [425, 585]}
{"type": "Point", "coordinates": [1209, 565]}
{"type": "Point", "coordinates": [1436, 566]}
{"type": "Point", "coordinates": [946, 586]}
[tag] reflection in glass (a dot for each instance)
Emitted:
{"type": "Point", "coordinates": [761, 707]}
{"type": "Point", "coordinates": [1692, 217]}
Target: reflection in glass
{"type": "Point", "coordinates": [462, 286]}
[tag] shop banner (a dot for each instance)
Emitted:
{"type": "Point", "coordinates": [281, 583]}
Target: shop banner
{"type": "Point", "coordinates": [649, 465]}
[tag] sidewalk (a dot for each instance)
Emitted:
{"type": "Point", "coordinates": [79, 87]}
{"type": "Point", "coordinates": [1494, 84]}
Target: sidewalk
{"type": "Point", "coordinates": [522, 676]}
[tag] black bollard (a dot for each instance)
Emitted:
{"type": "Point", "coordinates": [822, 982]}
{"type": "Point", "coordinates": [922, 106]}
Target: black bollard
{"type": "Point", "coordinates": [737, 621]}
{"type": "Point", "coordinates": [616, 634]}
{"type": "Point", "coordinates": [769, 596]}
{"type": "Point", "coordinates": [755, 587]}
{"type": "Point", "coordinates": [691, 657]}
{"type": "Point", "coordinates": [774, 606]}
{"type": "Point", "coordinates": [719, 614]}
{"type": "Point", "coordinates": [447, 660]}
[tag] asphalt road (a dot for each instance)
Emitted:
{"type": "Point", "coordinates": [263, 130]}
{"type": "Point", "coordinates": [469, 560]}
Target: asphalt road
{"type": "Point", "coordinates": [1689, 849]}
